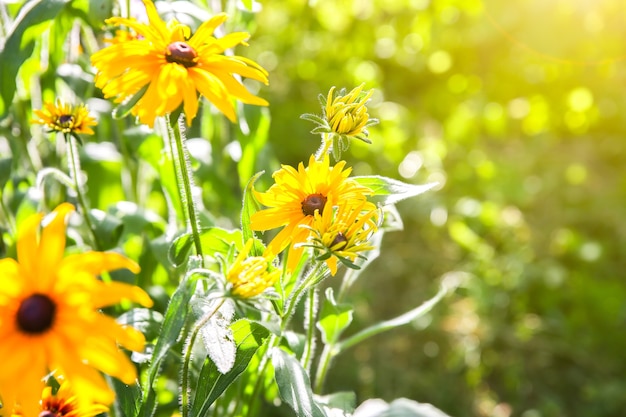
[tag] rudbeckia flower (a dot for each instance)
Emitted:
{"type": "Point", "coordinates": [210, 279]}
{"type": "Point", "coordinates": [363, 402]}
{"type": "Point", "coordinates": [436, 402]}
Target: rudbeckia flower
{"type": "Point", "coordinates": [297, 195]}
{"type": "Point", "coordinates": [343, 234]}
{"type": "Point", "coordinates": [64, 403]}
{"type": "Point", "coordinates": [65, 118]}
{"type": "Point", "coordinates": [50, 319]}
{"type": "Point", "coordinates": [251, 275]}
{"type": "Point", "coordinates": [172, 66]}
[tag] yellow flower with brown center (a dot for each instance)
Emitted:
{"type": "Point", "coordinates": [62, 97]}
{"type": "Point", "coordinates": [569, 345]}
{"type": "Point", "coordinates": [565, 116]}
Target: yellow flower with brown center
{"type": "Point", "coordinates": [343, 234]}
{"type": "Point", "coordinates": [297, 195]}
{"type": "Point", "coordinates": [165, 66]}
{"type": "Point", "coordinates": [251, 275]}
{"type": "Point", "coordinates": [65, 118]}
{"type": "Point", "coordinates": [64, 403]}
{"type": "Point", "coordinates": [50, 319]}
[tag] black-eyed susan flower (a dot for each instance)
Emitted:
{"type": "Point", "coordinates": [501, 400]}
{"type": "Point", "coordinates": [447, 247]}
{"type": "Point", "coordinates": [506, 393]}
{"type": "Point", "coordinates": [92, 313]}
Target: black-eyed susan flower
{"type": "Point", "coordinates": [65, 118]}
{"type": "Point", "coordinates": [64, 403]}
{"type": "Point", "coordinates": [343, 234]}
{"type": "Point", "coordinates": [344, 117]}
{"type": "Point", "coordinates": [50, 319]}
{"type": "Point", "coordinates": [297, 195]}
{"type": "Point", "coordinates": [168, 67]}
{"type": "Point", "coordinates": [251, 275]}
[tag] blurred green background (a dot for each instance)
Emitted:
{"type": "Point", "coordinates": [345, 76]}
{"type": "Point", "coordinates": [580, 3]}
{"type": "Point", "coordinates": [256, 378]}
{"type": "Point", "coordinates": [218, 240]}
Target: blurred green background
{"type": "Point", "coordinates": [516, 109]}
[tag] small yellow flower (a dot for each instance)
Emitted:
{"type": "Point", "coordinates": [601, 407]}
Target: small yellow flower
{"type": "Point", "coordinates": [165, 66]}
{"type": "Point", "coordinates": [50, 319]}
{"type": "Point", "coordinates": [344, 117]}
{"type": "Point", "coordinates": [65, 118]}
{"type": "Point", "coordinates": [297, 195]}
{"type": "Point", "coordinates": [342, 234]}
{"type": "Point", "coordinates": [251, 275]}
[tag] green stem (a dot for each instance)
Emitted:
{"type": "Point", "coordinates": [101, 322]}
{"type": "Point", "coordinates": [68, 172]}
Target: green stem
{"type": "Point", "coordinates": [187, 359]}
{"type": "Point", "coordinates": [311, 316]}
{"type": "Point", "coordinates": [328, 353]}
{"type": "Point", "coordinates": [74, 167]}
{"type": "Point", "coordinates": [183, 171]}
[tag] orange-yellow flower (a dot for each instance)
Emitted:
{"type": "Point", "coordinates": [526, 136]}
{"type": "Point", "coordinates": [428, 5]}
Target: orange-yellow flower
{"type": "Point", "coordinates": [65, 118]}
{"type": "Point", "coordinates": [295, 198]}
{"type": "Point", "coordinates": [249, 276]}
{"type": "Point", "coordinates": [50, 319]}
{"type": "Point", "coordinates": [167, 66]}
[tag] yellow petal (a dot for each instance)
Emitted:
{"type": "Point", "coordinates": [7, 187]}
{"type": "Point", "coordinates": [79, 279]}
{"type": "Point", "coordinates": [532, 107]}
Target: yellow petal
{"type": "Point", "coordinates": [52, 242]}
{"type": "Point", "coordinates": [95, 263]}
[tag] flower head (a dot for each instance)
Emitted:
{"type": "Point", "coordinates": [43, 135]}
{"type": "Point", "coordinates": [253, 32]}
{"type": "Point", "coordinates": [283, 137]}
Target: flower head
{"type": "Point", "coordinates": [344, 117]}
{"type": "Point", "coordinates": [297, 195]}
{"type": "Point", "coordinates": [251, 275]}
{"type": "Point", "coordinates": [50, 319]}
{"type": "Point", "coordinates": [65, 118]}
{"type": "Point", "coordinates": [64, 403]}
{"type": "Point", "coordinates": [342, 234]}
{"type": "Point", "coordinates": [163, 66]}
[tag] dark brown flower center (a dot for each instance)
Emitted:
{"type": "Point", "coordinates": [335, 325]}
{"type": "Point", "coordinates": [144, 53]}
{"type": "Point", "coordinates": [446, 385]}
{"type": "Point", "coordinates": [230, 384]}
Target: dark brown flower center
{"type": "Point", "coordinates": [313, 202]}
{"type": "Point", "coordinates": [339, 239]}
{"type": "Point", "coordinates": [66, 120]}
{"type": "Point", "coordinates": [181, 53]}
{"type": "Point", "coordinates": [36, 314]}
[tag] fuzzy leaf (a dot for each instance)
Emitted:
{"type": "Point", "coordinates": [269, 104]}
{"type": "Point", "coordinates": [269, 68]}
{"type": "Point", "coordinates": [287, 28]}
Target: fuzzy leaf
{"type": "Point", "coordinates": [248, 336]}
{"type": "Point", "coordinates": [390, 191]}
{"type": "Point", "coordinates": [216, 334]}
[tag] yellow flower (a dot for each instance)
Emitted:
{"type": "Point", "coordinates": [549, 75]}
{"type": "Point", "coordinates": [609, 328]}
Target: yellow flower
{"type": "Point", "coordinates": [346, 114]}
{"type": "Point", "coordinates": [295, 198]}
{"type": "Point", "coordinates": [169, 67]}
{"type": "Point", "coordinates": [251, 275]}
{"type": "Point", "coordinates": [65, 118]}
{"type": "Point", "coordinates": [64, 403]}
{"type": "Point", "coordinates": [50, 319]}
{"type": "Point", "coordinates": [344, 117]}
{"type": "Point", "coordinates": [340, 235]}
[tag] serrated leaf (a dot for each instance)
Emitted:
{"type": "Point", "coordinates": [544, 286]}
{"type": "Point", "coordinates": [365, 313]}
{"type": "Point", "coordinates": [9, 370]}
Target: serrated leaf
{"type": "Point", "coordinates": [216, 334]}
{"type": "Point", "coordinates": [31, 22]}
{"type": "Point", "coordinates": [250, 206]}
{"type": "Point", "coordinates": [390, 191]}
{"type": "Point", "coordinates": [248, 336]}
{"type": "Point", "coordinates": [294, 385]}
{"type": "Point", "coordinates": [334, 318]}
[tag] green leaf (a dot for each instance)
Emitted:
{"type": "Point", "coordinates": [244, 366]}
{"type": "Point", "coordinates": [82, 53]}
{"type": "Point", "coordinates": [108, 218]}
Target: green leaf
{"type": "Point", "coordinates": [247, 4]}
{"type": "Point", "coordinates": [389, 191]}
{"type": "Point", "coordinates": [127, 397]}
{"type": "Point", "coordinates": [252, 144]}
{"type": "Point", "coordinates": [216, 334]}
{"type": "Point", "coordinates": [32, 21]}
{"type": "Point", "coordinates": [5, 170]}
{"type": "Point", "coordinates": [124, 109]}
{"type": "Point", "coordinates": [108, 228]}
{"type": "Point", "coordinates": [294, 385]}
{"type": "Point", "coordinates": [343, 400]}
{"type": "Point", "coordinates": [250, 206]}
{"type": "Point", "coordinates": [334, 318]}
{"type": "Point", "coordinates": [248, 336]}
{"type": "Point", "coordinates": [402, 407]}
{"type": "Point", "coordinates": [174, 320]}
{"type": "Point", "coordinates": [213, 240]}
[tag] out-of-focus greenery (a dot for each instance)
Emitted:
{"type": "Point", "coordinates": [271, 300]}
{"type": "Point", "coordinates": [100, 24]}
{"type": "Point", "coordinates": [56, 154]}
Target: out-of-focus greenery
{"type": "Point", "coordinates": [516, 108]}
{"type": "Point", "coordinates": [513, 106]}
